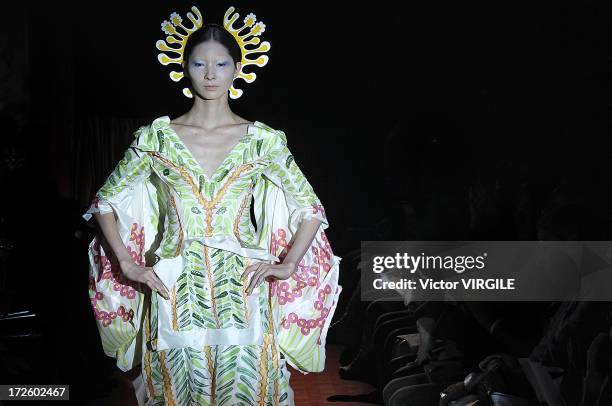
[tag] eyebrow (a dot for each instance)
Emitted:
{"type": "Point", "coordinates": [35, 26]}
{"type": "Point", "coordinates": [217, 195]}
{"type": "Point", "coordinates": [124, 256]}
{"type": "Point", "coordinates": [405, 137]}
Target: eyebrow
{"type": "Point", "coordinates": [223, 59]}
{"type": "Point", "coordinates": [220, 56]}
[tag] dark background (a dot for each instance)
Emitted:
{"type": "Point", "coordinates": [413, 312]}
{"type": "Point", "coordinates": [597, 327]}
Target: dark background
{"type": "Point", "coordinates": [463, 86]}
{"type": "Point", "coordinates": [387, 110]}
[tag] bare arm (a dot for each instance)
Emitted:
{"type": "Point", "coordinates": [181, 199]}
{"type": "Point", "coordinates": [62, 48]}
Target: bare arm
{"type": "Point", "coordinates": [108, 224]}
{"type": "Point", "coordinates": [304, 236]}
{"type": "Point", "coordinates": [130, 269]}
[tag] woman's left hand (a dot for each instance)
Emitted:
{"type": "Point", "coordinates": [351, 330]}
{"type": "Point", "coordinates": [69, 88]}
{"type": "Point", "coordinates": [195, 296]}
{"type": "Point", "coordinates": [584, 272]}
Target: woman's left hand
{"type": "Point", "coordinates": [263, 271]}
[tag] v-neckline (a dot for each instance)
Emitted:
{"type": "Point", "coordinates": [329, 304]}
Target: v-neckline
{"type": "Point", "coordinates": [225, 160]}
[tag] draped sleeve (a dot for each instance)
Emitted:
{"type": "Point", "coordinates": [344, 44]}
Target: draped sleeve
{"type": "Point", "coordinates": [133, 168]}
{"type": "Point", "coordinates": [303, 305]}
{"type": "Point", "coordinates": [117, 302]}
{"type": "Point", "coordinates": [284, 173]}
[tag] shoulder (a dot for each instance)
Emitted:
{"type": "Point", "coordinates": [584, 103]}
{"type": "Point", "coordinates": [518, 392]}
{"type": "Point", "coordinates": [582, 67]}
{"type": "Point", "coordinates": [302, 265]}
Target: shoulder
{"type": "Point", "coordinates": [149, 137]}
{"type": "Point", "coordinates": [270, 136]}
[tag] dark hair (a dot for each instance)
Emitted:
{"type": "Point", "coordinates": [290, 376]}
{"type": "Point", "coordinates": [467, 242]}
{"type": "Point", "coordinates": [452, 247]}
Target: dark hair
{"type": "Point", "coordinates": [214, 32]}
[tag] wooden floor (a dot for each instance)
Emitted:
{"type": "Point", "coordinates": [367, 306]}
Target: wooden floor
{"type": "Point", "coordinates": [309, 390]}
{"type": "Point", "coordinates": [313, 389]}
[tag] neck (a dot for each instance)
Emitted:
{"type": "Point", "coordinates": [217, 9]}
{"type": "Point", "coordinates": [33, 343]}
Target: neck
{"type": "Point", "coordinates": [210, 113]}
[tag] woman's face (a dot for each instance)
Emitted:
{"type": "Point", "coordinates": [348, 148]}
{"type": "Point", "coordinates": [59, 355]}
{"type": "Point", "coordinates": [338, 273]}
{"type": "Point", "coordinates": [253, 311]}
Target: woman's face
{"type": "Point", "coordinates": [211, 70]}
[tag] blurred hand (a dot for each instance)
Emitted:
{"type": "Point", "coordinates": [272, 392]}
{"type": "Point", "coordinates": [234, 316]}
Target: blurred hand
{"type": "Point", "coordinates": [146, 275]}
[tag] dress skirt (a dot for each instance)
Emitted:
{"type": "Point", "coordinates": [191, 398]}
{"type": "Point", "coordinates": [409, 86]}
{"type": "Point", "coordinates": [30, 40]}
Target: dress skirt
{"type": "Point", "coordinates": [208, 294]}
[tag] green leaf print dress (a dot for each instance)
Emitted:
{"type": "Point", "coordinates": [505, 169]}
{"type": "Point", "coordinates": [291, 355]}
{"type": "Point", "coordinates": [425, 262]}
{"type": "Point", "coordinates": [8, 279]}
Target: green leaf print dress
{"type": "Point", "coordinates": [211, 343]}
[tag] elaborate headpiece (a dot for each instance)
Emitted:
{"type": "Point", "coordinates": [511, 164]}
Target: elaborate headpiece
{"type": "Point", "coordinates": [249, 38]}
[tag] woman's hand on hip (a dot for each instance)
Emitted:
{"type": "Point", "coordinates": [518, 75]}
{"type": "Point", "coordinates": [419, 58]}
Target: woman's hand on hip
{"type": "Point", "coordinates": [146, 275]}
{"type": "Point", "coordinates": [262, 271]}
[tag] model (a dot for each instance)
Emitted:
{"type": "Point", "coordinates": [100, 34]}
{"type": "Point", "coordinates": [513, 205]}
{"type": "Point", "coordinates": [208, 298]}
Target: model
{"type": "Point", "coordinates": [211, 304]}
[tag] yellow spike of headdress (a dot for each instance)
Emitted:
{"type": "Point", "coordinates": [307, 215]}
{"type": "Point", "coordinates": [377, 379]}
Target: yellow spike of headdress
{"type": "Point", "coordinates": [250, 38]}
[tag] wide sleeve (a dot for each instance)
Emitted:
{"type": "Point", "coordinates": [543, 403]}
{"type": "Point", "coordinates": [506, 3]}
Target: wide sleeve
{"type": "Point", "coordinates": [117, 302]}
{"type": "Point", "coordinates": [303, 305]}
{"type": "Point", "coordinates": [133, 168]}
{"type": "Point", "coordinates": [284, 172]}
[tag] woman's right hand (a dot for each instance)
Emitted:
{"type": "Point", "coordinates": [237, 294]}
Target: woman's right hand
{"type": "Point", "coordinates": [146, 275]}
